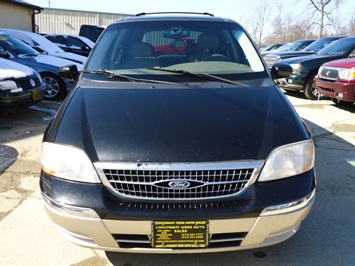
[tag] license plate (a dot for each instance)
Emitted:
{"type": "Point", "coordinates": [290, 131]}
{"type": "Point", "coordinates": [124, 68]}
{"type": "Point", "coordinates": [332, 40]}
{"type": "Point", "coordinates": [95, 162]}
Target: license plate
{"type": "Point", "coordinates": [36, 95]}
{"type": "Point", "coordinates": [180, 234]}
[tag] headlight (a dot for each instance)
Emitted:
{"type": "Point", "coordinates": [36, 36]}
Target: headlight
{"type": "Point", "coordinates": [347, 73]}
{"type": "Point", "coordinates": [9, 85]}
{"type": "Point", "coordinates": [288, 160]}
{"type": "Point", "coordinates": [320, 71]}
{"type": "Point", "coordinates": [296, 68]}
{"type": "Point", "coordinates": [68, 163]}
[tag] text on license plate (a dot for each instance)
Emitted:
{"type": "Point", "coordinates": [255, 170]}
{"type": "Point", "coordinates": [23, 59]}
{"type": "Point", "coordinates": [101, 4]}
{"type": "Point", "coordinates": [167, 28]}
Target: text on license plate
{"type": "Point", "coordinates": [180, 234]}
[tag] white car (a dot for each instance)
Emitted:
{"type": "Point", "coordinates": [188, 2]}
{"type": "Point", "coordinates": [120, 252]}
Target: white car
{"type": "Point", "coordinates": [72, 43]}
{"type": "Point", "coordinates": [42, 45]}
{"type": "Point", "coordinates": [46, 65]}
{"type": "Point", "coordinates": [20, 86]}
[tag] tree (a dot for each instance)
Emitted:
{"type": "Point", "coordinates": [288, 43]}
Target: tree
{"type": "Point", "coordinates": [320, 7]}
{"type": "Point", "coordinates": [256, 24]}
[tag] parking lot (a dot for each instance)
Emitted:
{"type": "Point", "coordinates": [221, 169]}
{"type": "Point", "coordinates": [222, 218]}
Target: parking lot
{"type": "Point", "coordinates": [327, 237]}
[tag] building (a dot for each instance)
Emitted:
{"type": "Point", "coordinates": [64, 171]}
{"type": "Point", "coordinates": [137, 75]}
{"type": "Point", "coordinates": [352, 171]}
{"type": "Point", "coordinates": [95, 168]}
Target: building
{"type": "Point", "coordinates": [17, 14]}
{"type": "Point", "coordinates": [63, 21]}
{"type": "Point", "coordinates": [20, 15]}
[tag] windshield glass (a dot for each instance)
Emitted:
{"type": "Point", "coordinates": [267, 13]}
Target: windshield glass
{"type": "Point", "coordinates": [15, 46]}
{"type": "Point", "coordinates": [338, 47]}
{"type": "Point", "coordinates": [198, 47]}
{"type": "Point", "coordinates": [319, 44]}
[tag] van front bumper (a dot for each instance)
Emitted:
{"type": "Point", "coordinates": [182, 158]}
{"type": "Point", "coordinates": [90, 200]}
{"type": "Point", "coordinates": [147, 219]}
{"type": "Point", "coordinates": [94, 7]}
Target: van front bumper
{"type": "Point", "coordinates": [83, 226]}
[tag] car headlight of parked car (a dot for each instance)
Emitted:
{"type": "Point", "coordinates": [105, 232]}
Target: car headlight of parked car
{"type": "Point", "coordinates": [347, 73]}
{"type": "Point", "coordinates": [288, 160]}
{"type": "Point", "coordinates": [67, 162]}
{"type": "Point", "coordinates": [296, 68]}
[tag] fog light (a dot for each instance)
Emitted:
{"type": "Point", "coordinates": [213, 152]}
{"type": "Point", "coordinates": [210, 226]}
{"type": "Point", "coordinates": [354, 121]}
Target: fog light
{"type": "Point", "coordinates": [289, 80]}
{"type": "Point", "coordinates": [341, 95]}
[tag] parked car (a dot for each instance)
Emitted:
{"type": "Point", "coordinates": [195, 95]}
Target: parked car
{"type": "Point", "coordinates": [336, 80]}
{"type": "Point", "coordinates": [47, 66]}
{"type": "Point", "coordinates": [314, 47]}
{"type": "Point", "coordinates": [43, 46]}
{"type": "Point", "coordinates": [205, 154]}
{"type": "Point", "coordinates": [280, 49]}
{"type": "Point", "coordinates": [305, 68]}
{"type": "Point", "coordinates": [299, 45]}
{"type": "Point", "coordinates": [72, 43]}
{"type": "Point", "coordinates": [272, 47]}
{"type": "Point", "coordinates": [295, 46]}
{"type": "Point", "coordinates": [20, 86]}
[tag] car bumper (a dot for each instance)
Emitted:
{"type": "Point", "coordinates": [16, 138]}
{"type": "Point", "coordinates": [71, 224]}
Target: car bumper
{"type": "Point", "coordinates": [339, 90]}
{"type": "Point", "coordinates": [290, 83]}
{"type": "Point", "coordinates": [24, 99]}
{"type": "Point", "coordinates": [84, 226]}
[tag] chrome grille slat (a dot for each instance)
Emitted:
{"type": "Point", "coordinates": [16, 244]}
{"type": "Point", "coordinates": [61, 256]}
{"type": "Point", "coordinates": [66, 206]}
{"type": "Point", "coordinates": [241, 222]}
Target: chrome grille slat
{"type": "Point", "coordinates": [154, 181]}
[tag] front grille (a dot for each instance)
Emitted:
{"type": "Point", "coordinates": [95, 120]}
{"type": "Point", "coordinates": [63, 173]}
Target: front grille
{"type": "Point", "coordinates": [271, 60]}
{"type": "Point", "coordinates": [25, 84]}
{"type": "Point", "coordinates": [178, 184]}
{"type": "Point", "coordinates": [223, 240]}
{"type": "Point", "coordinates": [329, 73]}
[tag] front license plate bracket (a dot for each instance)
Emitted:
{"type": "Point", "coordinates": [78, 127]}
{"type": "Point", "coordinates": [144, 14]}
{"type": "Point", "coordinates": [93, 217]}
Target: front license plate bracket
{"type": "Point", "coordinates": [36, 95]}
{"type": "Point", "coordinates": [180, 234]}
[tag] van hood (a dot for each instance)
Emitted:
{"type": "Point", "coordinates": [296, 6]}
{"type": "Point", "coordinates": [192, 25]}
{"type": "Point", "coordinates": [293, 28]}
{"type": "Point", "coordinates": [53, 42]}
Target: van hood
{"type": "Point", "coordinates": [168, 123]}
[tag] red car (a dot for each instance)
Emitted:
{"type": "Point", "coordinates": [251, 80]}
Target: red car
{"type": "Point", "coordinates": [336, 79]}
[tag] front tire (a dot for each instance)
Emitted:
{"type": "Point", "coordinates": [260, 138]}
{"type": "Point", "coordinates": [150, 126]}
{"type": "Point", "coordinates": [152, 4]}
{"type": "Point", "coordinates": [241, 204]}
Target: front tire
{"type": "Point", "coordinates": [55, 86]}
{"type": "Point", "coordinates": [310, 90]}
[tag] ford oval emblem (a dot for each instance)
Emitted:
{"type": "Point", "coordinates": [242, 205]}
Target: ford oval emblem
{"type": "Point", "coordinates": [179, 184]}
{"type": "Point", "coordinates": [33, 83]}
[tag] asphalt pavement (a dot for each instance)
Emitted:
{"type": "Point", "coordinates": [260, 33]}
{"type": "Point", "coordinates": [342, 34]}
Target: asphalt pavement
{"type": "Point", "coordinates": [326, 237]}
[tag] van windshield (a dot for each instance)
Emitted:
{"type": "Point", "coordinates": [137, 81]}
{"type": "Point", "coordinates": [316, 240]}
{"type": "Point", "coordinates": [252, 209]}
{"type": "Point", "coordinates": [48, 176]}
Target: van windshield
{"type": "Point", "coordinates": [199, 47]}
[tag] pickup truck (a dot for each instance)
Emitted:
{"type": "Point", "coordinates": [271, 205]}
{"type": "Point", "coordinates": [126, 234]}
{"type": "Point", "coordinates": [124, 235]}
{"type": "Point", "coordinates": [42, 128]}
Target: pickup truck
{"type": "Point", "coordinates": [336, 80]}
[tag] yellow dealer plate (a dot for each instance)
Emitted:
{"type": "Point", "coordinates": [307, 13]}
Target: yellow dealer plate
{"type": "Point", "coordinates": [180, 234]}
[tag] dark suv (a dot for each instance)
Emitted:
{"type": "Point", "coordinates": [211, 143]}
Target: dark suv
{"type": "Point", "coordinates": [305, 68]}
{"type": "Point", "coordinates": [177, 153]}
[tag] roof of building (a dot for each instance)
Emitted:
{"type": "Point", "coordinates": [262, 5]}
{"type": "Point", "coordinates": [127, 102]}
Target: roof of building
{"type": "Point", "coordinates": [22, 3]}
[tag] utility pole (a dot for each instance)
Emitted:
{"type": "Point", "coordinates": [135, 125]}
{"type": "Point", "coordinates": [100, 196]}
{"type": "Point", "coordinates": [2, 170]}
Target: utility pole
{"type": "Point", "coordinates": [49, 3]}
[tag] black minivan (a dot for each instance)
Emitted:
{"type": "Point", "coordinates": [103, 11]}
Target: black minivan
{"type": "Point", "coordinates": [186, 152]}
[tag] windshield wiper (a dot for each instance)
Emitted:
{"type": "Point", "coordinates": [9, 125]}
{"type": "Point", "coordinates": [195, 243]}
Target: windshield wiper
{"type": "Point", "coordinates": [201, 76]}
{"type": "Point", "coordinates": [125, 78]}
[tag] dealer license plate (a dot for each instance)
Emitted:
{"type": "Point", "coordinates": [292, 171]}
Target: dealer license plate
{"type": "Point", "coordinates": [180, 234]}
{"type": "Point", "coordinates": [36, 95]}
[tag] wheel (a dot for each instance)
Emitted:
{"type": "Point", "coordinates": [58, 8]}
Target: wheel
{"type": "Point", "coordinates": [55, 86]}
{"type": "Point", "coordinates": [310, 91]}
{"type": "Point", "coordinates": [217, 57]}
{"type": "Point", "coordinates": [341, 103]}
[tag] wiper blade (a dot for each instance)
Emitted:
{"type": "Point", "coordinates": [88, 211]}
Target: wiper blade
{"type": "Point", "coordinates": [202, 76]}
{"type": "Point", "coordinates": [124, 77]}
{"type": "Point", "coordinates": [109, 74]}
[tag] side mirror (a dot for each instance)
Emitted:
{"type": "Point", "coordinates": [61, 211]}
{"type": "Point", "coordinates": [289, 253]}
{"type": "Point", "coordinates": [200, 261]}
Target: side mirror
{"type": "Point", "coordinates": [69, 72]}
{"type": "Point", "coordinates": [5, 54]}
{"type": "Point", "coordinates": [281, 70]}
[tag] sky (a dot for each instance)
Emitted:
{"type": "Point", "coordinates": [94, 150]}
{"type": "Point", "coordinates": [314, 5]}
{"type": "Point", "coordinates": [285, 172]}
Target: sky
{"type": "Point", "coordinates": [233, 9]}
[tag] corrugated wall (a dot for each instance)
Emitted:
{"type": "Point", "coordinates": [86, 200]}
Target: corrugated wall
{"type": "Point", "coordinates": [60, 21]}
